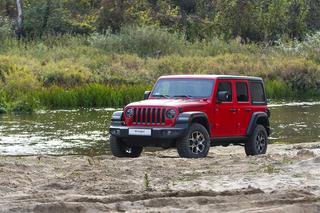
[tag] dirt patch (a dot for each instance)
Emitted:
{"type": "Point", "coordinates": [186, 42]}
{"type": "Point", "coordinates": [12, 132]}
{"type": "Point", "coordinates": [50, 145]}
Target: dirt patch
{"type": "Point", "coordinates": [287, 179]}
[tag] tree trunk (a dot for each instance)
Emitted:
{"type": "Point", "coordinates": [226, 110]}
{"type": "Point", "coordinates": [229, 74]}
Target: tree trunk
{"type": "Point", "coordinates": [184, 23]}
{"type": "Point", "coordinates": [45, 18]}
{"type": "Point", "coordinates": [7, 8]}
{"type": "Point", "coordinates": [20, 31]}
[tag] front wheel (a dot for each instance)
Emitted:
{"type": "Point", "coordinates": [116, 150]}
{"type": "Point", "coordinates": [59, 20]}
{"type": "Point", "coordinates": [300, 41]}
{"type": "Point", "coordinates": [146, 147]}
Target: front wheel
{"type": "Point", "coordinates": [195, 144]}
{"type": "Point", "coordinates": [258, 142]}
{"type": "Point", "coordinates": [120, 149]}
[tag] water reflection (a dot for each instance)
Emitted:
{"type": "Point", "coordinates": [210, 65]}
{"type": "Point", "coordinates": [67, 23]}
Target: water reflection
{"type": "Point", "coordinates": [296, 123]}
{"type": "Point", "coordinates": [84, 131]}
{"type": "Point", "coordinates": [55, 132]}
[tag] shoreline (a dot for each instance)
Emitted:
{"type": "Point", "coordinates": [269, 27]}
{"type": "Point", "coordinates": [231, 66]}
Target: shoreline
{"type": "Point", "coordinates": [285, 179]}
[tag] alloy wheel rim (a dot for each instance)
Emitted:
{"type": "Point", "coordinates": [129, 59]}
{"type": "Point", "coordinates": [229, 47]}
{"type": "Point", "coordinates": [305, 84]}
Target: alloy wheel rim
{"type": "Point", "coordinates": [261, 142]}
{"type": "Point", "coordinates": [197, 142]}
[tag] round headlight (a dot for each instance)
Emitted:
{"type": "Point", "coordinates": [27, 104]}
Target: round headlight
{"type": "Point", "coordinates": [170, 113]}
{"type": "Point", "coordinates": [129, 112]}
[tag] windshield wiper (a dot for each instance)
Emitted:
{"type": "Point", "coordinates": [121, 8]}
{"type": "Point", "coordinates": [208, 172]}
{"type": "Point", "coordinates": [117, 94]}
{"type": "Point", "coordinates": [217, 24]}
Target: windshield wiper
{"type": "Point", "coordinates": [182, 96]}
{"type": "Point", "coordinates": [161, 96]}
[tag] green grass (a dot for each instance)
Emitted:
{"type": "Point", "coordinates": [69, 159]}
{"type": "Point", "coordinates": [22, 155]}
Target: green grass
{"type": "Point", "coordinates": [92, 95]}
{"type": "Point", "coordinates": [112, 70]}
{"type": "Point", "coordinates": [276, 89]}
{"type": "Point", "coordinates": [87, 96]}
{"type": "Point", "coordinates": [99, 96]}
{"type": "Point", "coordinates": [146, 181]}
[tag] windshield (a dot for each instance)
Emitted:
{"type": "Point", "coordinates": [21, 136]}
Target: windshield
{"type": "Point", "coordinates": [188, 88]}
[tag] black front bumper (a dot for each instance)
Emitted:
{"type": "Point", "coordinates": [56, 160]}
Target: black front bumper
{"type": "Point", "coordinates": [175, 132]}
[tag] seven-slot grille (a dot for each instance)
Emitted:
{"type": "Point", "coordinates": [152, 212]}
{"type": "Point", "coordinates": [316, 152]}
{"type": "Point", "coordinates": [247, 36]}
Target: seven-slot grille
{"type": "Point", "coordinates": [149, 115]}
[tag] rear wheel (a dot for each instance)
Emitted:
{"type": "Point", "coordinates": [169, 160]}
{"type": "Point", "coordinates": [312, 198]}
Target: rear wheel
{"type": "Point", "coordinates": [258, 142]}
{"type": "Point", "coordinates": [195, 144]}
{"type": "Point", "coordinates": [120, 149]}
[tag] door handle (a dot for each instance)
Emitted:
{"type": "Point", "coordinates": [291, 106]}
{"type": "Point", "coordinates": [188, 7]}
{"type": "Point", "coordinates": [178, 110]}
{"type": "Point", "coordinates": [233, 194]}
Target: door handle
{"type": "Point", "coordinates": [233, 110]}
{"type": "Point", "coordinates": [247, 110]}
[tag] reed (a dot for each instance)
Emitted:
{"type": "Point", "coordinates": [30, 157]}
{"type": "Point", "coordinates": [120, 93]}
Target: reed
{"type": "Point", "coordinates": [101, 96]}
{"type": "Point", "coordinates": [91, 95]}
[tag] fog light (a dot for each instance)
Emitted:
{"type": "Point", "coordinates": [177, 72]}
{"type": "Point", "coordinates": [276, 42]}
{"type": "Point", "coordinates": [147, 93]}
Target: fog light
{"type": "Point", "coordinates": [168, 132]}
{"type": "Point", "coordinates": [115, 132]}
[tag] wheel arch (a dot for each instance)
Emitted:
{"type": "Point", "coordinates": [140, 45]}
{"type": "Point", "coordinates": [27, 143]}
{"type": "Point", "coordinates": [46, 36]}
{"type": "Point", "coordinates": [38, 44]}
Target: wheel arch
{"type": "Point", "coordinates": [194, 117]}
{"type": "Point", "coordinates": [256, 119]}
{"type": "Point", "coordinates": [117, 116]}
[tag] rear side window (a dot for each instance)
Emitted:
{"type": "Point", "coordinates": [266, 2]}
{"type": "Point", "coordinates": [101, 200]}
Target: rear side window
{"type": "Point", "coordinates": [226, 86]}
{"type": "Point", "coordinates": [257, 93]}
{"type": "Point", "coordinates": [242, 92]}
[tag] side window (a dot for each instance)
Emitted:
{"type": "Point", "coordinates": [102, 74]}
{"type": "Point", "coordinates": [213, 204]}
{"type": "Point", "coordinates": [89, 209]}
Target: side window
{"type": "Point", "coordinates": [257, 93]}
{"type": "Point", "coordinates": [226, 86]}
{"type": "Point", "coordinates": [242, 92]}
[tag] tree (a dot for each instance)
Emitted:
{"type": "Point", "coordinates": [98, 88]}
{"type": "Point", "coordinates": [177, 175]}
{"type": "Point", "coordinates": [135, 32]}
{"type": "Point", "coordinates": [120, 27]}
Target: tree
{"type": "Point", "coordinates": [114, 14]}
{"type": "Point", "coordinates": [313, 17]}
{"type": "Point", "coordinates": [297, 25]}
{"type": "Point", "coordinates": [20, 31]}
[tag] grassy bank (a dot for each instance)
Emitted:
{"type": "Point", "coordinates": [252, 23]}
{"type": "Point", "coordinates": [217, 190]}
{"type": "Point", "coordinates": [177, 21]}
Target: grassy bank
{"type": "Point", "coordinates": [99, 96]}
{"type": "Point", "coordinates": [111, 70]}
{"type": "Point", "coordinates": [91, 95]}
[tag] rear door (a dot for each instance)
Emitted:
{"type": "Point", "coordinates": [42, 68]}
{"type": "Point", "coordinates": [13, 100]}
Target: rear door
{"type": "Point", "coordinates": [243, 106]}
{"type": "Point", "coordinates": [258, 97]}
{"type": "Point", "coordinates": [224, 113]}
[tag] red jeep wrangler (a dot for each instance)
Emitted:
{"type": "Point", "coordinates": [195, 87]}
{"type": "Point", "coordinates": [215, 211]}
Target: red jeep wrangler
{"type": "Point", "coordinates": [192, 113]}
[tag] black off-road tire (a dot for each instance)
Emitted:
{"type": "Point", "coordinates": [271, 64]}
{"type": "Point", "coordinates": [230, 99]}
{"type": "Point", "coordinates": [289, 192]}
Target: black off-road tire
{"type": "Point", "coordinates": [258, 142]}
{"type": "Point", "coordinates": [189, 148]}
{"type": "Point", "coordinates": [121, 150]}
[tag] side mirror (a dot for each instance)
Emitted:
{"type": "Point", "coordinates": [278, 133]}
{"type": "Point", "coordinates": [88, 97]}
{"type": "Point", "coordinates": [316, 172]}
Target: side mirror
{"type": "Point", "coordinates": [223, 96]}
{"type": "Point", "coordinates": [146, 95]}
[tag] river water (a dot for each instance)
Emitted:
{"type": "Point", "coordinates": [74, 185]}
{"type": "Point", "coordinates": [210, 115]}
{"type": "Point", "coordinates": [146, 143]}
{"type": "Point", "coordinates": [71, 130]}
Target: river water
{"type": "Point", "coordinates": [84, 131]}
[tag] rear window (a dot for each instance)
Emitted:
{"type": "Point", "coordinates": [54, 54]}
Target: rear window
{"type": "Point", "coordinates": [242, 92]}
{"type": "Point", "coordinates": [257, 93]}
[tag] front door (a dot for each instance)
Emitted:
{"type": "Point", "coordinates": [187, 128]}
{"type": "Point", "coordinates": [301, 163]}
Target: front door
{"type": "Point", "coordinates": [224, 113]}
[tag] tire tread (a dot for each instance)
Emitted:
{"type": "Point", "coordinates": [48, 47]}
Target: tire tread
{"type": "Point", "coordinates": [250, 146]}
{"type": "Point", "coordinates": [118, 150]}
{"type": "Point", "coordinates": [182, 144]}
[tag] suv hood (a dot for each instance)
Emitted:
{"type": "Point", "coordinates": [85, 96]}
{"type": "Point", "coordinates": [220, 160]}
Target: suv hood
{"type": "Point", "coordinates": [169, 103]}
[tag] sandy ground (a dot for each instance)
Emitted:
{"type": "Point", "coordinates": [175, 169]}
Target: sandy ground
{"type": "Point", "coordinates": [287, 179]}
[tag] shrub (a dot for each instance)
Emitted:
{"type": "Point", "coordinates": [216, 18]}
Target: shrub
{"type": "Point", "coordinates": [276, 89]}
{"type": "Point", "coordinates": [2, 110]}
{"type": "Point", "coordinates": [216, 46]}
{"type": "Point", "coordinates": [69, 76]}
{"type": "Point", "coordinates": [302, 74]}
{"type": "Point", "coordinates": [144, 41]}
{"type": "Point", "coordinates": [4, 68]}
{"type": "Point", "coordinates": [6, 29]}
{"type": "Point", "coordinates": [309, 48]}
{"type": "Point", "coordinates": [20, 80]}
{"type": "Point", "coordinates": [3, 101]}
{"type": "Point", "coordinates": [21, 107]}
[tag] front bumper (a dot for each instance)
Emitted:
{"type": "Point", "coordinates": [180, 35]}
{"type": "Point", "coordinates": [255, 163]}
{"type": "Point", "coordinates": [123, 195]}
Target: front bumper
{"type": "Point", "coordinates": [175, 132]}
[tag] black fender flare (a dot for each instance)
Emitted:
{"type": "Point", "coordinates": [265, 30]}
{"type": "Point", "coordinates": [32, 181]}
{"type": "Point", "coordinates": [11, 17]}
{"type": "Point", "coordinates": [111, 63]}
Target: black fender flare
{"type": "Point", "coordinates": [117, 118]}
{"type": "Point", "coordinates": [190, 117]}
{"type": "Point", "coordinates": [253, 122]}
